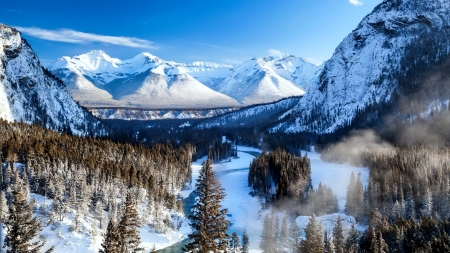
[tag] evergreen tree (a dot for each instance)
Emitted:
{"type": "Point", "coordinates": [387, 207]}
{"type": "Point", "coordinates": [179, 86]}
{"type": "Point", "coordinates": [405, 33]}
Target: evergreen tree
{"type": "Point", "coordinates": [112, 241]}
{"type": "Point", "coordinates": [268, 236]}
{"type": "Point", "coordinates": [128, 227]}
{"type": "Point", "coordinates": [245, 242]}
{"type": "Point", "coordinates": [294, 237]}
{"type": "Point", "coordinates": [283, 239]}
{"type": "Point", "coordinates": [235, 244]}
{"type": "Point", "coordinates": [208, 219]}
{"type": "Point", "coordinates": [22, 227]}
{"type": "Point", "coordinates": [338, 236]}
{"type": "Point", "coordinates": [3, 212]}
{"type": "Point", "coordinates": [313, 242]}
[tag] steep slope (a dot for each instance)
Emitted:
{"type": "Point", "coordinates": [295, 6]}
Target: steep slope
{"type": "Point", "coordinates": [31, 94]}
{"type": "Point", "coordinates": [256, 82]}
{"type": "Point", "coordinates": [295, 69]}
{"type": "Point", "coordinates": [372, 66]}
{"type": "Point", "coordinates": [97, 80]}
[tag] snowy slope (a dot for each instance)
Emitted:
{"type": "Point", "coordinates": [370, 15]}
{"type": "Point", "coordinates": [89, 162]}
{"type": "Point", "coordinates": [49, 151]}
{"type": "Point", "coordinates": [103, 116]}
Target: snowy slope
{"type": "Point", "coordinates": [145, 81]}
{"type": "Point", "coordinates": [31, 94]}
{"type": "Point", "coordinates": [256, 81]}
{"type": "Point", "coordinates": [295, 69]}
{"type": "Point", "coordinates": [365, 67]}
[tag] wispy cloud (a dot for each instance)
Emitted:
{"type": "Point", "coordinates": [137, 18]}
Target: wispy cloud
{"type": "Point", "coordinates": [17, 11]}
{"type": "Point", "coordinates": [356, 2]}
{"type": "Point", "coordinates": [72, 36]}
{"type": "Point", "coordinates": [217, 47]}
{"type": "Point", "coordinates": [275, 52]}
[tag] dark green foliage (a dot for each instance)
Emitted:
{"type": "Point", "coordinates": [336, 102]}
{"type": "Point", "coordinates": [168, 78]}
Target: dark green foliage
{"type": "Point", "coordinates": [338, 236]}
{"type": "Point", "coordinates": [111, 241]}
{"type": "Point", "coordinates": [291, 175]}
{"type": "Point", "coordinates": [245, 242]}
{"type": "Point", "coordinates": [313, 242]}
{"type": "Point", "coordinates": [128, 227]}
{"type": "Point", "coordinates": [22, 227]}
{"type": "Point", "coordinates": [208, 220]}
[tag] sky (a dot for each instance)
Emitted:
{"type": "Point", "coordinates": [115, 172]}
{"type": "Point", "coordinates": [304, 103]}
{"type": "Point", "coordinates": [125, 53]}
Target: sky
{"type": "Point", "coordinates": [222, 31]}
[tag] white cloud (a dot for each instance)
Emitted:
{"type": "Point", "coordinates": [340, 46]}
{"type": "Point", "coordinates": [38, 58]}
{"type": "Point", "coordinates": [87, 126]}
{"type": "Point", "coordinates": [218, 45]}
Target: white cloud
{"type": "Point", "coordinates": [356, 2]}
{"type": "Point", "coordinates": [274, 52]}
{"type": "Point", "coordinates": [72, 36]}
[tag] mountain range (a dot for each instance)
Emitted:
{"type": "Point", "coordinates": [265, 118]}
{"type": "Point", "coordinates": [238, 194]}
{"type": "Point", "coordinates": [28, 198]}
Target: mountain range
{"type": "Point", "coordinates": [97, 80]}
{"type": "Point", "coordinates": [390, 56]}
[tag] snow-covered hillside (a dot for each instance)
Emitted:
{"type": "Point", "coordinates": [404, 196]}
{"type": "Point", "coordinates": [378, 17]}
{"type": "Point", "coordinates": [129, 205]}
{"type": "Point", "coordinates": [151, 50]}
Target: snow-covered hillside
{"type": "Point", "coordinates": [256, 81]}
{"type": "Point", "coordinates": [139, 114]}
{"type": "Point", "coordinates": [97, 80]}
{"type": "Point", "coordinates": [31, 94]}
{"type": "Point", "coordinates": [256, 115]}
{"type": "Point", "coordinates": [367, 65]}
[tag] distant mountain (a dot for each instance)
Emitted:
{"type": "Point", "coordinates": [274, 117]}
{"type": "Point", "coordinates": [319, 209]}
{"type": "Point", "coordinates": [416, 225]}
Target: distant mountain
{"type": "Point", "coordinates": [385, 67]}
{"type": "Point", "coordinates": [97, 80]}
{"type": "Point", "coordinates": [263, 80]}
{"type": "Point", "coordinates": [30, 93]}
{"type": "Point", "coordinates": [378, 62]}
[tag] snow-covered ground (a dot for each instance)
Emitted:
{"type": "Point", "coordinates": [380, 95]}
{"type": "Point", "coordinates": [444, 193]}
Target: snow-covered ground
{"type": "Point", "coordinates": [245, 211]}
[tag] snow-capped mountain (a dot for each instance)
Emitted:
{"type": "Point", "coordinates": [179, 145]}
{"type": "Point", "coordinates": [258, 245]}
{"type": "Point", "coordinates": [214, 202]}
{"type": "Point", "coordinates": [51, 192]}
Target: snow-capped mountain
{"type": "Point", "coordinates": [30, 93]}
{"type": "Point", "coordinates": [368, 66]}
{"type": "Point", "coordinates": [269, 79]}
{"type": "Point", "coordinates": [145, 81]}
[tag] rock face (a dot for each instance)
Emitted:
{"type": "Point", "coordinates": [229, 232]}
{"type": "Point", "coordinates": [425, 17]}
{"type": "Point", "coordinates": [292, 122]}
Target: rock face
{"type": "Point", "coordinates": [30, 93]}
{"type": "Point", "coordinates": [147, 82]}
{"type": "Point", "coordinates": [366, 67]}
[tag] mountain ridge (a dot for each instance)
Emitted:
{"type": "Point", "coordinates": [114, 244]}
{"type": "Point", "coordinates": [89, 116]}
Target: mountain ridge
{"type": "Point", "coordinates": [30, 93]}
{"type": "Point", "coordinates": [97, 80]}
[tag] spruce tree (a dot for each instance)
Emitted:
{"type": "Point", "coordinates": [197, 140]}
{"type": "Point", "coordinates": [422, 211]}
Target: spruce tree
{"type": "Point", "coordinates": [128, 227]}
{"type": "Point", "coordinates": [313, 242]}
{"type": "Point", "coordinates": [294, 236]}
{"type": "Point", "coordinates": [268, 236]}
{"type": "Point", "coordinates": [208, 220]}
{"type": "Point", "coordinates": [3, 212]}
{"type": "Point", "coordinates": [22, 227]}
{"type": "Point", "coordinates": [338, 236]}
{"type": "Point", "coordinates": [245, 242]}
{"type": "Point", "coordinates": [112, 241]}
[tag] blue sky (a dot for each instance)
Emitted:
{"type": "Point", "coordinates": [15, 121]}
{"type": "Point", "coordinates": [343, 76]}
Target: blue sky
{"type": "Point", "coordinates": [223, 31]}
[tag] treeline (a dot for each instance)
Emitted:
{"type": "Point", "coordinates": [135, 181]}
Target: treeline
{"type": "Point", "coordinates": [281, 237]}
{"type": "Point", "coordinates": [93, 176]}
{"type": "Point", "coordinates": [284, 178]}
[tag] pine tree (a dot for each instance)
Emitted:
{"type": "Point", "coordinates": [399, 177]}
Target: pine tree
{"type": "Point", "coordinates": [208, 219]}
{"type": "Point", "coordinates": [338, 236]}
{"type": "Point", "coordinates": [22, 227]}
{"type": "Point", "coordinates": [3, 212]}
{"type": "Point", "coordinates": [294, 236]}
{"type": "Point", "coordinates": [313, 242]}
{"type": "Point", "coordinates": [112, 241]}
{"type": "Point", "coordinates": [283, 239]}
{"type": "Point", "coordinates": [245, 242]}
{"type": "Point", "coordinates": [235, 243]}
{"type": "Point", "coordinates": [268, 236]}
{"type": "Point", "coordinates": [128, 227]}
{"type": "Point", "coordinates": [352, 240]}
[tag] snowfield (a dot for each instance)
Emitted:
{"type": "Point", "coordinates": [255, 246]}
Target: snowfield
{"type": "Point", "coordinates": [245, 211]}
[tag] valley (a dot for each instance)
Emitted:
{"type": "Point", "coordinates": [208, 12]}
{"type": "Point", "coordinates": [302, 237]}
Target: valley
{"type": "Point", "coordinates": [253, 154]}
